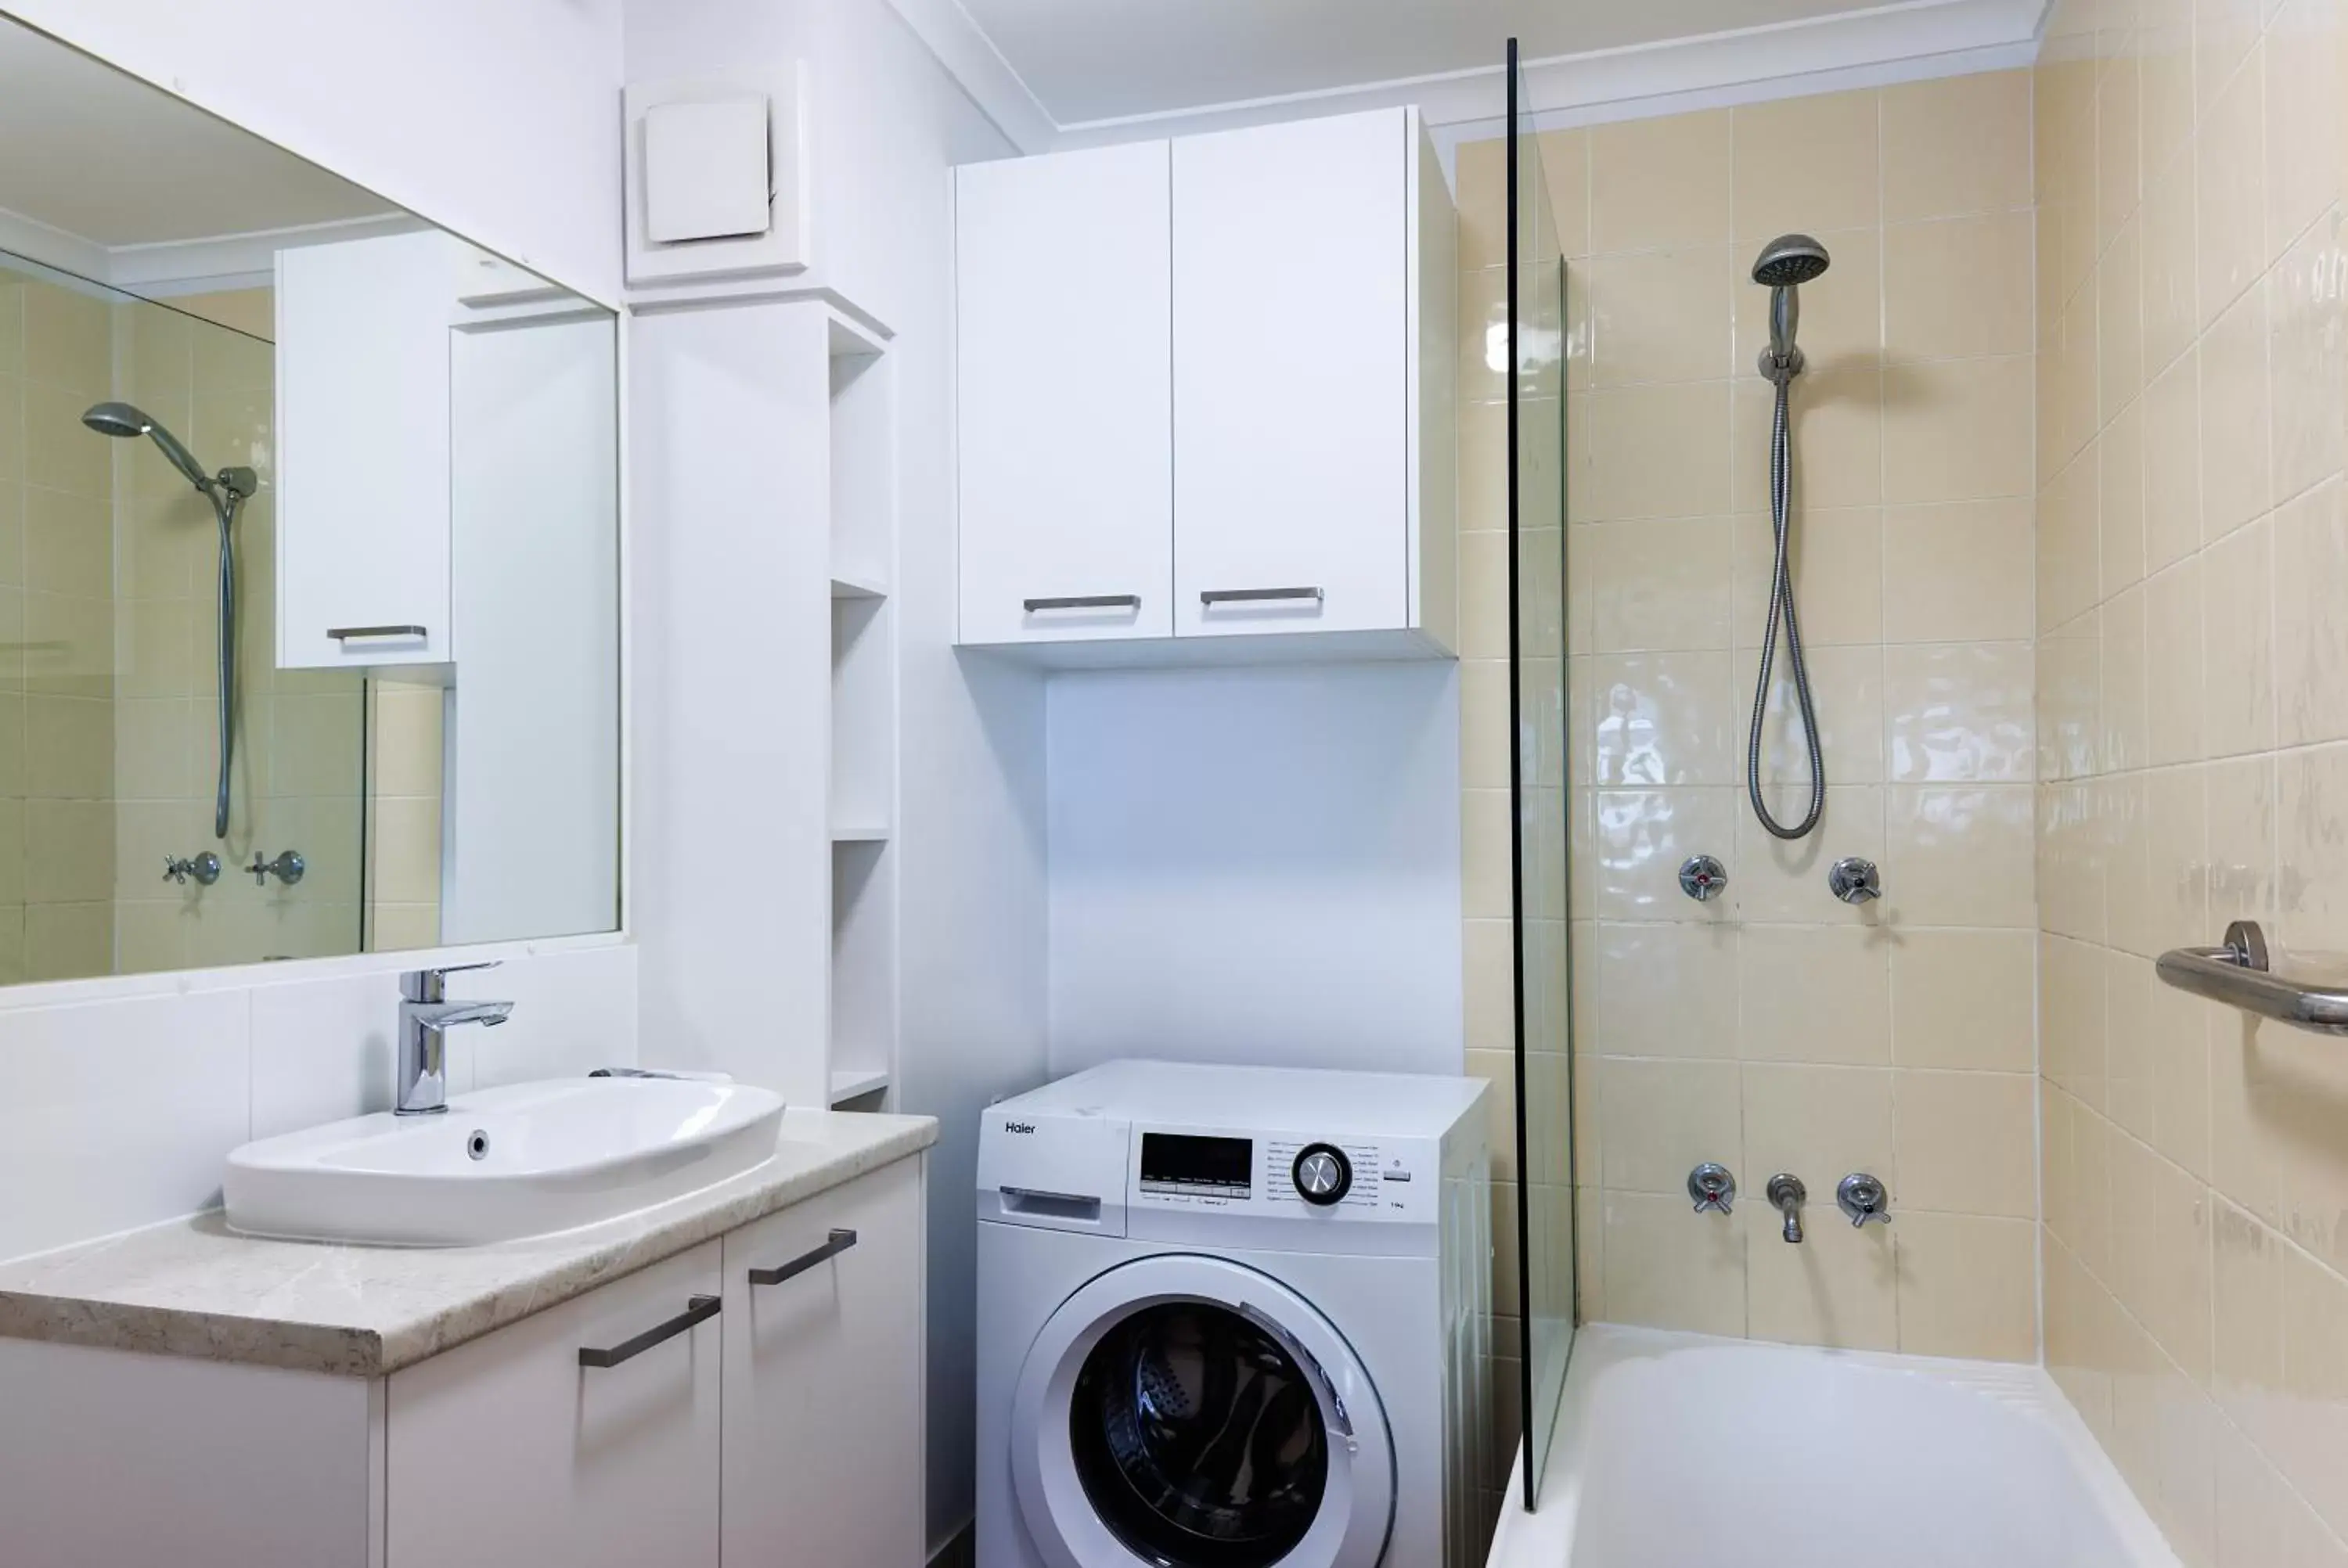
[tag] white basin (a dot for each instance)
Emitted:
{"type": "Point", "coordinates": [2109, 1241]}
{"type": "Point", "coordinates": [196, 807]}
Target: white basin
{"type": "Point", "coordinates": [522, 1160]}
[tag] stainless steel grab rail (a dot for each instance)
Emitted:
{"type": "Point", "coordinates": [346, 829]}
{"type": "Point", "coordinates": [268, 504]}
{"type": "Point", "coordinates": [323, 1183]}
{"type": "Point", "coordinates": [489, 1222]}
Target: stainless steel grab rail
{"type": "Point", "coordinates": [2238, 974]}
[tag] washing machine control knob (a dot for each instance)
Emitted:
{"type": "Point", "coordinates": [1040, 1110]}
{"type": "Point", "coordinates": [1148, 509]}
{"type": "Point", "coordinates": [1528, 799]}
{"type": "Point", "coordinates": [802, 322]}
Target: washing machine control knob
{"type": "Point", "coordinates": [1322, 1173]}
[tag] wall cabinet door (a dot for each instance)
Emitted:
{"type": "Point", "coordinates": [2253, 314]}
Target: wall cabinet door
{"type": "Point", "coordinates": [824, 1449]}
{"type": "Point", "coordinates": [1064, 397]}
{"type": "Point", "coordinates": [1293, 249]}
{"type": "Point", "coordinates": [509, 1450]}
{"type": "Point", "coordinates": [362, 433]}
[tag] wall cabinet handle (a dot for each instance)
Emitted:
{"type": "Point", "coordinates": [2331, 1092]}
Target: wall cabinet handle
{"type": "Point", "coordinates": [1258, 595]}
{"type": "Point", "coordinates": [1085, 601]}
{"type": "Point", "coordinates": [361, 633]}
{"type": "Point", "coordinates": [842, 1240]}
{"type": "Point", "coordinates": [698, 1309]}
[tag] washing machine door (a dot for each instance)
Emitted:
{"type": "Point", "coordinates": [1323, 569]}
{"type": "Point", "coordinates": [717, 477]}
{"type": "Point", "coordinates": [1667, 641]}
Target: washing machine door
{"type": "Point", "coordinates": [1187, 1412]}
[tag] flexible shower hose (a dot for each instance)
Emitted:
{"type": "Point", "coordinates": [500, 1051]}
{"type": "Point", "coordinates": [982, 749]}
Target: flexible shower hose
{"type": "Point", "coordinates": [1781, 606]}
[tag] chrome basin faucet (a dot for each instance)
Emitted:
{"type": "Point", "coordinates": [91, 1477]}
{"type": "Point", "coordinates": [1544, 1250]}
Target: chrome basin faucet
{"type": "Point", "coordinates": [1786, 1195]}
{"type": "Point", "coordinates": [426, 1017]}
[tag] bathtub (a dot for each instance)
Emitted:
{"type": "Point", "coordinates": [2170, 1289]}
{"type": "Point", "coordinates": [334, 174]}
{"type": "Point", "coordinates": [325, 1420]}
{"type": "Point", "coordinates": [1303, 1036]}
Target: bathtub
{"type": "Point", "coordinates": [1681, 1450]}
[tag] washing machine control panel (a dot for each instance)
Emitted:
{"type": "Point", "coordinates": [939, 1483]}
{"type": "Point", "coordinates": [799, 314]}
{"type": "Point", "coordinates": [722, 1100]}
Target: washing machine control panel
{"type": "Point", "coordinates": [1340, 1177]}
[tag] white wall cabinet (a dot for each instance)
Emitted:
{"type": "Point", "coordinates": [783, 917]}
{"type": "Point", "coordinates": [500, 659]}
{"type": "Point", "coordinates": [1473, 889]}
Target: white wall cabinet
{"type": "Point", "coordinates": [362, 430]}
{"type": "Point", "coordinates": [1063, 291]}
{"type": "Point", "coordinates": [838, 1333]}
{"type": "Point", "coordinates": [1219, 372]}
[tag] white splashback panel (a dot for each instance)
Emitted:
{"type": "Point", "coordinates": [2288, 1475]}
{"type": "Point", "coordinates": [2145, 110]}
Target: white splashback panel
{"type": "Point", "coordinates": [1257, 866]}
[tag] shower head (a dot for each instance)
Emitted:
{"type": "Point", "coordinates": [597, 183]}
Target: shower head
{"type": "Point", "coordinates": [1784, 264]}
{"type": "Point", "coordinates": [123, 419]}
{"type": "Point", "coordinates": [1788, 259]}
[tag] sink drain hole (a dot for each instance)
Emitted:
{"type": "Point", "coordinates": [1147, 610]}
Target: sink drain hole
{"type": "Point", "coordinates": [477, 1146]}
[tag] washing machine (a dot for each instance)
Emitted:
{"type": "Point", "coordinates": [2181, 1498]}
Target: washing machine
{"type": "Point", "coordinates": [1235, 1318]}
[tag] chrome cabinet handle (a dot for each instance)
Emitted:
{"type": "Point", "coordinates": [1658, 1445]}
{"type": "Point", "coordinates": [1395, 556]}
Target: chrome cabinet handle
{"type": "Point", "coordinates": [1085, 601]}
{"type": "Point", "coordinates": [1258, 595]}
{"type": "Point", "coordinates": [357, 633]}
{"type": "Point", "coordinates": [698, 1309]}
{"type": "Point", "coordinates": [842, 1240]}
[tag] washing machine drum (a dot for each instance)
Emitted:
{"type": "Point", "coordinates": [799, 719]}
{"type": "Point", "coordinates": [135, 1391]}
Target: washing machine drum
{"type": "Point", "coordinates": [1187, 1412]}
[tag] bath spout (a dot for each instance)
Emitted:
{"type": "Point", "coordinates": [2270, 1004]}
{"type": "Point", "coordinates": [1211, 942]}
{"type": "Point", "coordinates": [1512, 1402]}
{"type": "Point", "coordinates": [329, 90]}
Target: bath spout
{"type": "Point", "coordinates": [1785, 1195]}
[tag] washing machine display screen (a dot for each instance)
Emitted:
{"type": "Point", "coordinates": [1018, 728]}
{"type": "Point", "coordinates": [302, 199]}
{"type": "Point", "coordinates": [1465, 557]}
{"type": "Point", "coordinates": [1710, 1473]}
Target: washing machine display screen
{"type": "Point", "coordinates": [1199, 1441]}
{"type": "Point", "coordinates": [1178, 1163]}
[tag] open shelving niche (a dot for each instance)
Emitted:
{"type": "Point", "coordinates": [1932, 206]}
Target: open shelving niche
{"type": "Point", "coordinates": [862, 1044]}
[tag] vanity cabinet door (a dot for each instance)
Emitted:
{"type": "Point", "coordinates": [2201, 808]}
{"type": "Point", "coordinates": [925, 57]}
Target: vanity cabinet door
{"type": "Point", "coordinates": [1293, 422]}
{"type": "Point", "coordinates": [362, 475]}
{"type": "Point", "coordinates": [824, 1445]}
{"type": "Point", "coordinates": [1064, 389]}
{"type": "Point", "coordinates": [509, 1450]}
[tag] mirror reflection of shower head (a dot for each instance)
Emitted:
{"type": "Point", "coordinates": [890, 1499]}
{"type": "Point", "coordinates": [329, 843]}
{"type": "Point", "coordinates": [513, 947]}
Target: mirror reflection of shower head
{"type": "Point", "coordinates": [124, 420]}
{"type": "Point", "coordinates": [1785, 263]}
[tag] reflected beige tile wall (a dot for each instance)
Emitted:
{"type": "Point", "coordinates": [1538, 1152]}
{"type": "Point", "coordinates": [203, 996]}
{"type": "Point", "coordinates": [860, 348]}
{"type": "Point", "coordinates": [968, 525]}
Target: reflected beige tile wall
{"type": "Point", "coordinates": [296, 766]}
{"type": "Point", "coordinates": [2194, 753]}
{"type": "Point", "coordinates": [57, 569]}
{"type": "Point", "coordinates": [1775, 1028]}
{"type": "Point", "coordinates": [403, 751]}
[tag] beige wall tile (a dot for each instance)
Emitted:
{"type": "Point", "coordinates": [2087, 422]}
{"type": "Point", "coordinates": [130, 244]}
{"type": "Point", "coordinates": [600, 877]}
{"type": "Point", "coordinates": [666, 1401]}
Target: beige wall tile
{"type": "Point", "coordinates": [1968, 1142]}
{"type": "Point", "coordinates": [2237, 642]}
{"type": "Point", "coordinates": [2172, 630]}
{"type": "Point", "coordinates": [1815, 994]}
{"type": "Point", "coordinates": [1786, 883]}
{"type": "Point", "coordinates": [1958, 711]}
{"type": "Point", "coordinates": [2310, 635]}
{"type": "Point", "coordinates": [2120, 499]}
{"type": "Point", "coordinates": [1664, 1118]}
{"type": "Point", "coordinates": [1958, 287]}
{"type": "Point", "coordinates": [1962, 998]}
{"type": "Point", "coordinates": [1656, 182]}
{"type": "Point", "coordinates": [2306, 335]}
{"type": "Point", "coordinates": [1807, 165]}
{"type": "Point", "coordinates": [1565, 164]}
{"type": "Point", "coordinates": [2119, 322]}
{"type": "Point", "coordinates": [1959, 854]}
{"type": "Point", "coordinates": [1662, 990]}
{"type": "Point", "coordinates": [1658, 452]}
{"type": "Point", "coordinates": [1958, 430]}
{"type": "Point", "coordinates": [1661, 719]}
{"type": "Point", "coordinates": [1662, 315]}
{"type": "Point", "coordinates": [1962, 573]}
{"type": "Point", "coordinates": [2172, 463]}
{"type": "Point", "coordinates": [1957, 145]}
{"type": "Point", "coordinates": [1817, 1123]}
{"type": "Point", "coordinates": [2237, 482]}
{"type": "Point", "coordinates": [2230, 191]}
{"type": "Point", "coordinates": [1480, 195]}
{"type": "Point", "coordinates": [1847, 699]}
{"type": "Point", "coordinates": [2304, 86]}
{"type": "Point", "coordinates": [1965, 1286]}
{"type": "Point", "coordinates": [67, 339]}
{"type": "Point", "coordinates": [1667, 1268]}
{"type": "Point", "coordinates": [2170, 262]}
{"type": "Point", "coordinates": [1660, 584]}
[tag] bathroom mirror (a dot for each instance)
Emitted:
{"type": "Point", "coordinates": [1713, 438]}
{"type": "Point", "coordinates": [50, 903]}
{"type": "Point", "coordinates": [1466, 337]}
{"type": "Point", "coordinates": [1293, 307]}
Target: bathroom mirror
{"type": "Point", "coordinates": [309, 556]}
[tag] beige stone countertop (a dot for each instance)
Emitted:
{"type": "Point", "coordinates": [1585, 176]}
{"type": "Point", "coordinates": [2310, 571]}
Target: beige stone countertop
{"type": "Point", "coordinates": [194, 1287]}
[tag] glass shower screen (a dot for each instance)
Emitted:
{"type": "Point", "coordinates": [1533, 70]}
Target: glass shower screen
{"type": "Point", "coordinates": [1545, 1208]}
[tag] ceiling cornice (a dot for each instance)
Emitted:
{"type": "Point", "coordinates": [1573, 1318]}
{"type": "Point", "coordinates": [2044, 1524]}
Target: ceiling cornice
{"type": "Point", "coordinates": [1912, 39]}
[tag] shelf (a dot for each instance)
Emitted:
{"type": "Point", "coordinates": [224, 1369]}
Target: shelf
{"type": "Point", "coordinates": [849, 584]}
{"type": "Point", "coordinates": [860, 832]}
{"type": "Point", "coordinates": [853, 1084]}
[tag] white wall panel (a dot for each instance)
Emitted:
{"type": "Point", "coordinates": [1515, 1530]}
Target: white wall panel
{"type": "Point", "coordinates": [1257, 866]}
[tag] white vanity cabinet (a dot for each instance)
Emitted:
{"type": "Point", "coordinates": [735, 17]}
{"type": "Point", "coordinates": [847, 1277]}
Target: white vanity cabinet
{"type": "Point", "coordinates": [363, 453]}
{"type": "Point", "coordinates": [1219, 371]}
{"type": "Point", "coordinates": [823, 1380]}
{"type": "Point", "coordinates": [508, 1450]}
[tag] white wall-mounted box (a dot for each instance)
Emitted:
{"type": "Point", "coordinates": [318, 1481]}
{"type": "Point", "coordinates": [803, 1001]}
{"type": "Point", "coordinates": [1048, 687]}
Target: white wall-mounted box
{"type": "Point", "coordinates": [708, 194]}
{"type": "Point", "coordinates": [705, 175]}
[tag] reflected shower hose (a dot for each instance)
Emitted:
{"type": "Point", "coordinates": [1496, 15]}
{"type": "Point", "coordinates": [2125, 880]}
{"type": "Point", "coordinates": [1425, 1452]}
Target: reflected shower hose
{"type": "Point", "coordinates": [1781, 608]}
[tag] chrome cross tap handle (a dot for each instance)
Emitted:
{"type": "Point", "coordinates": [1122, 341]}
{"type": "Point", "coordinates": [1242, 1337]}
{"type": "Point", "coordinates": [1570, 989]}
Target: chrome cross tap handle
{"type": "Point", "coordinates": [1854, 880]}
{"type": "Point", "coordinates": [1702, 877]}
{"type": "Point", "coordinates": [205, 868]}
{"type": "Point", "coordinates": [1862, 1198]}
{"type": "Point", "coordinates": [1712, 1188]}
{"type": "Point", "coordinates": [288, 868]}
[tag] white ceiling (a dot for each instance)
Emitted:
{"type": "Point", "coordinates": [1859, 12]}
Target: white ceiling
{"type": "Point", "coordinates": [113, 161]}
{"type": "Point", "coordinates": [1091, 60]}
